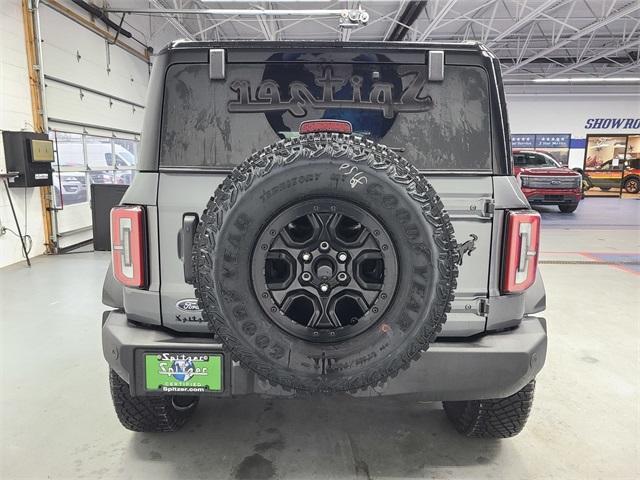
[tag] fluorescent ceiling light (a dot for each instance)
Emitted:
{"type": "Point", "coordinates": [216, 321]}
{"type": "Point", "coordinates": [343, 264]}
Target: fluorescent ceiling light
{"type": "Point", "coordinates": [588, 80]}
{"type": "Point", "coordinates": [272, 1]}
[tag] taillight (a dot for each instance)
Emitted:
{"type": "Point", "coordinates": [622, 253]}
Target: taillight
{"type": "Point", "coordinates": [521, 250]}
{"type": "Point", "coordinates": [331, 126]}
{"type": "Point", "coordinates": [128, 246]}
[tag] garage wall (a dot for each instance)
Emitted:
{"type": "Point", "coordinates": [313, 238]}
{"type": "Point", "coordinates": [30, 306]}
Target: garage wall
{"type": "Point", "coordinates": [15, 114]}
{"type": "Point", "coordinates": [565, 112]}
{"type": "Point", "coordinates": [92, 87]}
{"type": "Point", "coordinates": [71, 54]}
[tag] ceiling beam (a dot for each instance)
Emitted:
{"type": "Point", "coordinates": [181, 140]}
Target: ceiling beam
{"type": "Point", "coordinates": [592, 59]}
{"type": "Point", "coordinates": [617, 71]}
{"type": "Point", "coordinates": [437, 19]}
{"type": "Point", "coordinates": [172, 20]}
{"type": "Point", "coordinates": [405, 20]}
{"type": "Point", "coordinates": [394, 22]}
{"type": "Point", "coordinates": [533, 14]}
{"type": "Point", "coordinates": [630, 8]}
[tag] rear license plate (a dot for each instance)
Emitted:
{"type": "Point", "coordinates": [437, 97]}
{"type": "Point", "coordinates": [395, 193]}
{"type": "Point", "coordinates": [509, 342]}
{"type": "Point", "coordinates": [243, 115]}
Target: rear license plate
{"type": "Point", "coordinates": [183, 372]}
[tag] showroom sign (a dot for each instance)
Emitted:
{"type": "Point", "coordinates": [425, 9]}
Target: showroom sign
{"type": "Point", "coordinates": [628, 123]}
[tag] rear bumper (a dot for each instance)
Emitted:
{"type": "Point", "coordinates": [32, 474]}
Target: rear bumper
{"type": "Point", "coordinates": [550, 196]}
{"type": "Point", "coordinates": [491, 366]}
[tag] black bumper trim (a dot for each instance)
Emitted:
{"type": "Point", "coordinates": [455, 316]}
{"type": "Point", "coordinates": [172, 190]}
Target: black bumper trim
{"type": "Point", "coordinates": [491, 366]}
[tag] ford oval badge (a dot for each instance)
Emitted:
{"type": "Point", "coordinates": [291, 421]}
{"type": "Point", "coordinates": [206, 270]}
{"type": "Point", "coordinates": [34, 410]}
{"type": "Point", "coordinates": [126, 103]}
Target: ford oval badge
{"type": "Point", "coordinates": [188, 305]}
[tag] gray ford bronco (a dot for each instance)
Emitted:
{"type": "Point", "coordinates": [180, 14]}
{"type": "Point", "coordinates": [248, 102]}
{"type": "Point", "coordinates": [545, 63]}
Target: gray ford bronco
{"type": "Point", "coordinates": [311, 218]}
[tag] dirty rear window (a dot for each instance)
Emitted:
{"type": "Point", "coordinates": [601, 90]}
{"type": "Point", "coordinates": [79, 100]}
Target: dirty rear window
{"type": "Point", "coordinates": [219, 123]}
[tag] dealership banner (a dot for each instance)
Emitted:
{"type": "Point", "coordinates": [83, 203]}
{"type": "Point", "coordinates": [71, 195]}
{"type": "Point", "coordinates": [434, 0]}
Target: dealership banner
{"type": "Point", "coordinates": [522, 141]}
{"type": "Point", "coordinates": [552, 141]}
{"type": "Point", "coordinates": [540, 140]}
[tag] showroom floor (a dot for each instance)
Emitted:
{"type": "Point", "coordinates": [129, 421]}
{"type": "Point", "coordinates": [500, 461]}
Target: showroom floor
{"type": "Point", "coordinates": [57, 420]}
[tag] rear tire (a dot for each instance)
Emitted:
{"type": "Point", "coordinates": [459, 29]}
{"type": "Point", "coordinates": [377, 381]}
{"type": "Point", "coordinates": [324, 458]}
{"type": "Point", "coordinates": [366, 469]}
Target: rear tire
{"type": "Point", "coordinates": [493, 418]}
{"type": "Point", "coordinates": [568, 208]}
{"type": "Point", "coordinates": [149, 414]}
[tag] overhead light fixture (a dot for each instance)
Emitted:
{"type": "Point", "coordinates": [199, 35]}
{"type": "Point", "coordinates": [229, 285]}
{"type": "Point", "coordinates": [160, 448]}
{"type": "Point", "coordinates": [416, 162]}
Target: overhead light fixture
{"type": "Point", "coordinates": [588, 80]}
{"type": "Point", "coordinates": [272, 1]}
{"type": "Point", "coordinates": [348, 17]}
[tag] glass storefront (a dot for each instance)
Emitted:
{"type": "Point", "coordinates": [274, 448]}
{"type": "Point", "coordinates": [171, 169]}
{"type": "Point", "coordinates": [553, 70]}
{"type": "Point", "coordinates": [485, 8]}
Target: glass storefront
{"type": "Point", "coordinates": [612, 166]}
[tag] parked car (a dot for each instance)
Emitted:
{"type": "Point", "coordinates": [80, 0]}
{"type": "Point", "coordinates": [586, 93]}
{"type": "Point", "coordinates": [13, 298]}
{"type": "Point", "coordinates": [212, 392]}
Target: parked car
{"type": "Point", "coordinates": [275, 241]}
{"type": "Point", "coordinates": [545, 182]}
{"type": "Point", "coordinates": [104, 163]}
{"type": "Point", "coordinates": [69, 188]}
{"type": "Point", "coordinates": [613, 173]}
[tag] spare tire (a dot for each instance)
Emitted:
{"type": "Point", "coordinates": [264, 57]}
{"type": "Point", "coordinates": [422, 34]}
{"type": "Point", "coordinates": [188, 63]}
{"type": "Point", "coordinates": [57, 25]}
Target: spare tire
{"type": "Point", "coordinates": [325, 263]}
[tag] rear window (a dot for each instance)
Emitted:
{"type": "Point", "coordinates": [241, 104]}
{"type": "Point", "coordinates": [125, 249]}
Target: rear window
{"type": "Point", "coordinates": [219, 123]}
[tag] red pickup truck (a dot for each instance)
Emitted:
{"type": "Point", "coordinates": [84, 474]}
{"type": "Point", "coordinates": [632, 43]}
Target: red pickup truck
{"type": "Point", "coordinates": [545, 182]}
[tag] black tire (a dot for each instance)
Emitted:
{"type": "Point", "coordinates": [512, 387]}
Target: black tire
{"type": "Point", "coordinates": [495, 418]}
{"type": "Point", "coordinates": [306, 168]}
{"type": "Point", "coordinates": [149, 414]}
{"type": "Point", "coordinates": [570, 208]}
{"type": "Point", "coordinates": [631, 185]}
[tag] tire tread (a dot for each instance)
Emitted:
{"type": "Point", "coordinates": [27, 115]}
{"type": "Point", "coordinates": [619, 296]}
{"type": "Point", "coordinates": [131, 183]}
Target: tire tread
{"type": "Point", "coordinates": [145, 414]}
{"type": "Point", "coordinates": [493, 418]}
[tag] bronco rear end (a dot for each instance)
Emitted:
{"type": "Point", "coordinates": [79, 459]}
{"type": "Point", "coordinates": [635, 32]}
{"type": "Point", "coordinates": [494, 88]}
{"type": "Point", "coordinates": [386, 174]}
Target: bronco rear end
{"type": "Point", "coordinates": [325, 218]}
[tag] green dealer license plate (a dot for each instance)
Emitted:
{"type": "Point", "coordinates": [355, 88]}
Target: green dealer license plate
{"type": "Point", "coordinates": [183, 372]}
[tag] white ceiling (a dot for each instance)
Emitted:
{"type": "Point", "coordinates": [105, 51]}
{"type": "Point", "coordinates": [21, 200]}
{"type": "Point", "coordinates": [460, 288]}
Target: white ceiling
{"type": "Point", "coordinates": [533, 38]}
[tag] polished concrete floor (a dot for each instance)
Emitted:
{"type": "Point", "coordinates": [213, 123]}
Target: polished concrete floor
{"type": "Point", "coordinates": [57, 419]}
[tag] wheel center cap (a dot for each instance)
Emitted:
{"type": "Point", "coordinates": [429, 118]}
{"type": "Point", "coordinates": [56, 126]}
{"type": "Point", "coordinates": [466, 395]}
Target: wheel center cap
{"type": "Point", "coordinates": [324, 268]}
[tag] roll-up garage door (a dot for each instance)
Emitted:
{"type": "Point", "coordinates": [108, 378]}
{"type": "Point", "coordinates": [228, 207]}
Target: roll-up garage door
{"type": "Point", "coordinates": [94, 103]}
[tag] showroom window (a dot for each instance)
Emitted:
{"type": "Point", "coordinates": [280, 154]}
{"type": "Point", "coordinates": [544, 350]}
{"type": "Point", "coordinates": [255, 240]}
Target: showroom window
{"type": "Point", "coordinates": [83, 160]}
{"type": "Point", "coordinates": [611, 166]}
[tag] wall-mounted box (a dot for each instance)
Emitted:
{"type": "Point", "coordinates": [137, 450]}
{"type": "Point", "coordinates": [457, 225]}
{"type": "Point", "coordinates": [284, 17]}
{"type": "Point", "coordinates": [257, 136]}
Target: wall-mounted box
{"type": "Point", "coordinates": [31, 155]}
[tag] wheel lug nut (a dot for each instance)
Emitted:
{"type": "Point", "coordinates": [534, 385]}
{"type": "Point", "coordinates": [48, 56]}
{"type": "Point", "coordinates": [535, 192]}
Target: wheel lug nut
{"type": "Point", "coordinates": [305, 277]}
{"type": "Point", "coordinates": [306, 257]}
{"type": "Point", "coordinates": [342, 257]}
{"type": "Point", "coordinates": [342, 277]}
{"type": "Point", "coordinates": [324, 246]}
{"type": "Point", "coordinates": [324, 288]}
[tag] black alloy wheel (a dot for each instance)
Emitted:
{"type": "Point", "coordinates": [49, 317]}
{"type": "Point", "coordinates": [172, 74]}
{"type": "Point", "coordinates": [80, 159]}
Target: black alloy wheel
{"type": "Point", "coordinates": [324, 270]}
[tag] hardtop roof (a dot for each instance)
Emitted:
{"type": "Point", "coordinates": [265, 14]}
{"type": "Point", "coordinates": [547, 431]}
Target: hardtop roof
{"type": "Point", "coordinates": [468, 46]}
